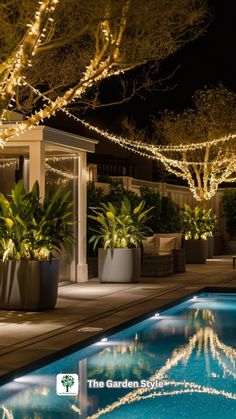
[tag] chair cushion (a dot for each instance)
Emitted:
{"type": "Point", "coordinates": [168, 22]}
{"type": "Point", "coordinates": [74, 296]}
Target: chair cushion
{"type": "Point", "coordinates": [166, 245]}
{"type": "Point", "coordinates": [178, 236]}
{"type": "Point", "coordinates": [150, 246]}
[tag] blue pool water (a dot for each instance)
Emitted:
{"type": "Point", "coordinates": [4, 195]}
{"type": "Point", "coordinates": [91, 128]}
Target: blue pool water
{"type": "Point", "coordinates": [188, 352]}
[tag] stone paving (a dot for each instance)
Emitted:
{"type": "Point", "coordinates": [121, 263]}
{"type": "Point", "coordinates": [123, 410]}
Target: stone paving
{"type": "Point", "coordinates": [86, 310]}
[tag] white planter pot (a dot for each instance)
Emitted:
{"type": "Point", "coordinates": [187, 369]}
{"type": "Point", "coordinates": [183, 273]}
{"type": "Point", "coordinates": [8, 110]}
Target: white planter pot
{"type": "Point", "coordinates": [119, 265]}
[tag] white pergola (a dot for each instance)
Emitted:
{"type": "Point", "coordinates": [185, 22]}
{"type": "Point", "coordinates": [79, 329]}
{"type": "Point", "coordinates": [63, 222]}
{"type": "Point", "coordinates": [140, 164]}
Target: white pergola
{"type": "Point", "coordinates": [38, 142]}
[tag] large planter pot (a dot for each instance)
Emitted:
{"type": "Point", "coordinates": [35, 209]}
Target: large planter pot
{"type": "Point", "coordinates": [28, 285]}
{"type": "Point", "coordinates": [210, 247]}
{"type": "Point", "coordinates": [119, 265]}
{"type": "Point", "coordinates": [196, 251]}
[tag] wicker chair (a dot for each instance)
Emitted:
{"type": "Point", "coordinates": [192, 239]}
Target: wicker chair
{"type": "Point", "coordinates": [163, 265]}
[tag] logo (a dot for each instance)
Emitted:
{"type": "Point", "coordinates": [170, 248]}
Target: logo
{"type": "Point", "coordinates": [67, 384]}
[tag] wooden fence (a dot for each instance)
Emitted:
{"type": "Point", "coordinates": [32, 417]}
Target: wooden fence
{"type": "Point", "coordinates": [179, 194]}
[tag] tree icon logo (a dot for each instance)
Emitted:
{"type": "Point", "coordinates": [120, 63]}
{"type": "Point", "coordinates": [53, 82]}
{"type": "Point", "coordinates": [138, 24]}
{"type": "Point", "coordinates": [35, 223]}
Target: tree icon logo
{"type": "Point", "coordinates": [67, 384]}
{"type": "Point", "coordinates": [67, 381]}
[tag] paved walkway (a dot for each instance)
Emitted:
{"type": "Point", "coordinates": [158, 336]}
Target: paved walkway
{"type": "Point", "coordinates": [88, 309]}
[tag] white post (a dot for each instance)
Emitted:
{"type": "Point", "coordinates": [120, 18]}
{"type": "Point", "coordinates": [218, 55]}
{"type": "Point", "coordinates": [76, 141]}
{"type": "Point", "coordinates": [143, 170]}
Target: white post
{"type": "Point", "coordinates": [82, 268]}
{"type": "Point", "coordinates": [37, 165]}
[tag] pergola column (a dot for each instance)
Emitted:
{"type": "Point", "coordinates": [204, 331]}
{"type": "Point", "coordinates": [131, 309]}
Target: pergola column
{"type": "Point", "coordinates": [82, 267]}
{"type": "Point", "coordinates": [37, 165]}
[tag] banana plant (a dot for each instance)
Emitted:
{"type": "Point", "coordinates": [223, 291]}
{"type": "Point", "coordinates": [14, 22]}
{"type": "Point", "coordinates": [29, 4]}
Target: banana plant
{"type": "Point", "coordinates": [121, 226]}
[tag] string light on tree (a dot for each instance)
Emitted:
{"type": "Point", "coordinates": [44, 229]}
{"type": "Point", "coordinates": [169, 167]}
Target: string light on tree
{"type": "Point", "coordinates": [26, 50]}
{"type": "Point", "coordinates": [104, 64]}
{"type": "Point", "coordinates": [221, 169]}
{"type": "Point", "coordinates": [107, 38]}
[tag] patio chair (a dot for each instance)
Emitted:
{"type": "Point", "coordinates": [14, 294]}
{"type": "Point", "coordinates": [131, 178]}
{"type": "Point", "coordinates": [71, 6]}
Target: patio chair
{"type": "Point", "coordinates": [163, 254]}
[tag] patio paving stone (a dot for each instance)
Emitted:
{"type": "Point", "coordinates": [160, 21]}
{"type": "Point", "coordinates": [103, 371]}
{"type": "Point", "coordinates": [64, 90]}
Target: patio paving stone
{"type": "Point", "coordinates": [30, 338]}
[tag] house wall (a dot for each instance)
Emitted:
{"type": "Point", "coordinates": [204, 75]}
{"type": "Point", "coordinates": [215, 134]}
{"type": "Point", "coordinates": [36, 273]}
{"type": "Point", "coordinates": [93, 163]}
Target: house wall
{"type": "Point", "coordinates": [141, 166]}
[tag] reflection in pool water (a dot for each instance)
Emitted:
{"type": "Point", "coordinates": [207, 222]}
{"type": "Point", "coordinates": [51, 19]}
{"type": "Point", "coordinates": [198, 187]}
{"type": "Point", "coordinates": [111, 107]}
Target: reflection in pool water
{"type": "Point", "coordinates": [191, 348]}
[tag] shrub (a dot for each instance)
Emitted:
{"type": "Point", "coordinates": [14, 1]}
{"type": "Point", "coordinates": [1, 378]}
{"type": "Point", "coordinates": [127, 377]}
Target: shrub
{"type": "Point", "coordinates": [94, 198]}
{"type": "Point", "coordinates": [170, 216]}
{"type": "Point", "coordinates": [229, 210]}
{"type": "Point", "coordinates": [117, 193]}
{"type": "Point", "coordinates": [165, 217]}
{"type": "Point", "coordinates": [153, 199]}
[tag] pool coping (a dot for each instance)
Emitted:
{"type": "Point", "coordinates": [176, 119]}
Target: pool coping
{"type": "Point", "coordinates": [87, 341]}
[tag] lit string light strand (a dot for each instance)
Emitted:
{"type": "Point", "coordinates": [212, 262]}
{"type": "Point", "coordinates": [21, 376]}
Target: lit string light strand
{"type": "Point", "coordinates": [12, 162]}
{"type": "Point", "coordinates": [204, 338]}
{"type": "Point", "coordinates": [203, 177]}
{"type": "Point", "coordinates": [25, 52]}
{"type": "Point", "coordinates": [104, 64]}
{"type": "Point", "coordinates": [151, 148]}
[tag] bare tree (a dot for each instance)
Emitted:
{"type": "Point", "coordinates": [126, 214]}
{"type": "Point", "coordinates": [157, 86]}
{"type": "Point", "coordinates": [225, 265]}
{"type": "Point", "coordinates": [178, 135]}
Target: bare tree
{"type": "Point", "coordinates": [197, 145]}
{"type": "Point", "coordinates": [64, 48]}
{"type": "Point", "coordinates": [210, 127]}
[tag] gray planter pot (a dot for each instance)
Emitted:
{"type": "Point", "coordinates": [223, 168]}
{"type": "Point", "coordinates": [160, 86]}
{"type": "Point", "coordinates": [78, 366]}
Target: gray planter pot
{"type": "Point", "coordinates": [196, 251]}
{"type": "Point", "coordinates": [28, 285]}
{"type": "Point", "coordinates": [119, 265]}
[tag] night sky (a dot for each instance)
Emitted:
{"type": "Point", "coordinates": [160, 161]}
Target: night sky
{"type": "Point", "coordinates": [205, 62]}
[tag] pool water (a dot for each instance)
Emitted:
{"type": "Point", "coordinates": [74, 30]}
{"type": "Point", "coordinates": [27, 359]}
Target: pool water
{"type": "Point", "coordinates": [188, 351]}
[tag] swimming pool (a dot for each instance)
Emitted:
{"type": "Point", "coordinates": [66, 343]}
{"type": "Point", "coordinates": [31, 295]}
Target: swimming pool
{"type": "Point", "coordinates": [187, 353]}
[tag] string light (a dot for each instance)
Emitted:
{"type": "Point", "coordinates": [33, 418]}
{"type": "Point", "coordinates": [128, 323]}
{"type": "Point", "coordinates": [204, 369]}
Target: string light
{"type": "Point", "coordinates": [215, 171]}
{"type": "Point", "coordinates": [7, 163]}
{"type": "Point", "coordinates": [60, 172]}
{"type": "Point", "coordinates": [203, 338]}
{"type": "Point", "coordinates": [103, 65]}
{"type": "Point", "coordinates": [22, 58]}
{"type": "Point", "coordinates": [12, 162]}
{"type": "Point", "coordinates": [155, 149]}
{"type": "Point", "coordinates": [76, 409]}
{"type": "Point", "coordinates": [57, 171]}
{"type": "Point", "coordinates": [26, 49]}
{"type": "Point", "coordinates": [218, 171]}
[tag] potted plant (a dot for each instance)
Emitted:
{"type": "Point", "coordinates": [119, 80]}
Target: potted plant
{"type": "Point", "coordinates": [31, 235]}
{"type": "Point", "coordinates": [121, 231]}
{"type": "Point", "coordinates": [94, 197]}
{"type": "Point", "coordinates": [198, 226]}
{"type": "Point", "coordinates": [210, 224]}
